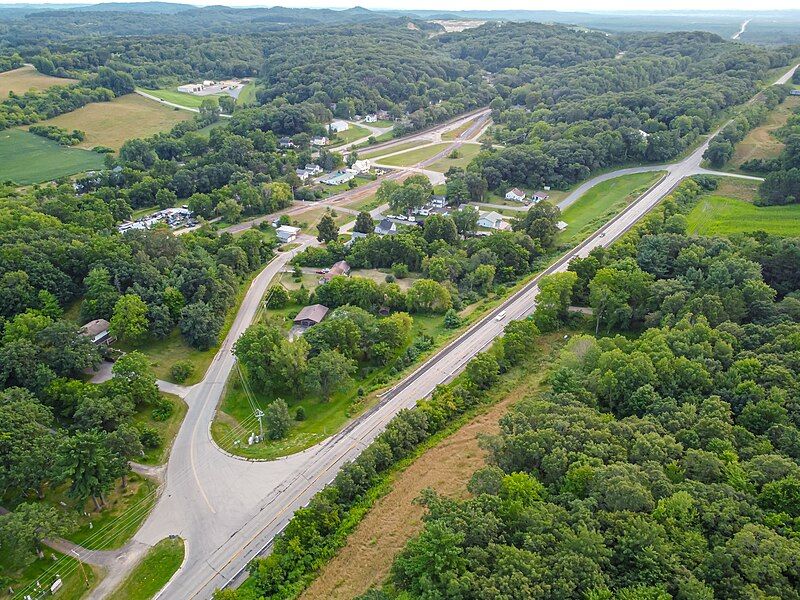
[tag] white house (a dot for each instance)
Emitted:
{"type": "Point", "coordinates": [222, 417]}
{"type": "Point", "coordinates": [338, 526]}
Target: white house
{"type": "Point", "coordinates": [538, 197]}
{"type": "Point", "coordinates": [320, 140]}
{"type": "Point", "coordinates": [386, 227]}
{"type": "Point", "coordinates": [286, 233]}
{"type": "Point", "coordinates": [515, 194]}
{"type": "Point", "coordinates": [373, 118]}
{"type": "Point", "coordinates": [493, 220]}
{"type": "Point", "coordinates": [313, 168]}
{"type": "Point", "coordinates": [339, 126]}
{"type": "Point", "coordinates": [362, 166]}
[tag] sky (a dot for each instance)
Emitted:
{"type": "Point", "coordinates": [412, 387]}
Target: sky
{"type": "Point", "coordinates": [563, 5]}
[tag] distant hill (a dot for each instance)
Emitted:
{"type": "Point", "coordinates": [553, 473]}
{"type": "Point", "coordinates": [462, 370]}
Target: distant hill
{"type": "Point", "coordinates": [157, 8]}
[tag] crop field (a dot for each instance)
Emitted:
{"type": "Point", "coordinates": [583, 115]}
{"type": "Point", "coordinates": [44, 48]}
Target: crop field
{"type": "Point", "coordinates": [111, 123]}
{"type": "Point", "coordinates": [465, 155]}
{"type": "Point", "coordinates": [27, 78]}
{"type": "Point", "coordinates": [760, 143]}
{"type": "Point", "coordinates": [602, 202]}
{"type": "Point", "coordinates": [26, 158]}
{"type": "Point", "coordinates": [720, 215]}
{"type": "Point", "coordinates": [412, 157]}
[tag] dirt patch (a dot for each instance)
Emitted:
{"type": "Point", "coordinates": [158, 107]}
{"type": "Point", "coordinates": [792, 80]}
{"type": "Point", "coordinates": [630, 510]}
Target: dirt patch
{"type": "Point", "coordinates": [741, 189]}
{"type": "Point", "coordinates": [365, 560]}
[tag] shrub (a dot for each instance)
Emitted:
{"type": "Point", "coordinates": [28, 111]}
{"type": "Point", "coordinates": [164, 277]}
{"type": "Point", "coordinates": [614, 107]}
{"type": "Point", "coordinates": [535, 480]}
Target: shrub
{"type": "Point", "coordinates": [300, 414]}
{"type": "Point", "coordinates": [163, 409]}
{"type": "Point", "coordinates": [149, 437]}
{"type": "Point", "coordinates": [181, 371]}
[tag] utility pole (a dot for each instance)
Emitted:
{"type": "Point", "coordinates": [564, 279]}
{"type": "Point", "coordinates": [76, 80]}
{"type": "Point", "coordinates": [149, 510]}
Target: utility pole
{"type": "Point", "coordinates": [259, 416]}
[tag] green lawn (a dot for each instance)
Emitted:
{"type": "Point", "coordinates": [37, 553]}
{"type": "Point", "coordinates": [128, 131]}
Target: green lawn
{"type": "Point", "coordinates": [166, 429]}
{"type": "Point", "coordinates": [153, 573]}
{"type": "Point", "coordinates": [176, 97]}
{"type": "Point", "coordinates": [720, 215]}
{"type": "Point", "coordinates": [355, 132]}
{"type": "Point", "coordinates": [466, 153]}
{"type": "Point", "coordinates": [247, 97]}
{"type": "Point", "coordinates": [27, 158]}
{"type": "Point", "coordinates": [454, 133]}
{"type": "Point", "coordinates": [602, 202]}
{"type": "Point", "coordinates": [413, 157]}
{"type": "Point", "coordinates": [46, 570]}
{"type": "Point", "coordinates": [383, 151]}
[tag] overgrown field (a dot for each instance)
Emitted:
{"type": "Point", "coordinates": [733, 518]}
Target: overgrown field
{"type": "Point", "coordinates": [27, 78]}
{"type": "Point", "coordinates": [721, 215]}
{"type": "Point", "coordinates": [760, 143]}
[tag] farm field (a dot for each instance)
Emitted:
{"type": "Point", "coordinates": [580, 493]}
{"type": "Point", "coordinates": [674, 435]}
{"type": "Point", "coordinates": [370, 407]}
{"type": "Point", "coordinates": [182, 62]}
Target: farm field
{"type": "Point", "coordinates": [412, 157]}
{"type": "Point", "coordinates": [176, 97]}
{"type": "Point", "coordinates": [601, 202]}
{"type": "Point", "coordinates": [721, 215]}
{"type": "Point", "coordinates": [26, 158]}
{"type": "Point", "coordinates": [467, 152]}
{"type": "Point", "coordinates": [760, 143]}
{"type": "Point", "coordinates": [27, 78]}
{"type": "Point", "coordinates": [153, 573]}
{"type": "Point", "coordinates": [112, 123]}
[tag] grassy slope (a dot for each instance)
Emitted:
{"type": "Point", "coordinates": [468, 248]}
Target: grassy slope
{"type": "Point", "coordinates": [153, 573]}
{"type": "Point", "coordinates": [26, 158]}
{"type": "Point", "coordinates": [760, 143]}
{"type": "Point", "coordinates": [111, 123]}
{"type": "Point", "coordinates": [601, 202]}
{"type": "Point", "coordinates": [467, 152]}
{"type": "Point", "coordinates": [27, 78]}
{"type": "Point", "coordinates": [248, 95]}
{"type": "Point", "coordinates": [722, 215]}
{"type": "Point", "coordinates": [412, 157]}
{"type": "Point", "coordinates": [355, 132]}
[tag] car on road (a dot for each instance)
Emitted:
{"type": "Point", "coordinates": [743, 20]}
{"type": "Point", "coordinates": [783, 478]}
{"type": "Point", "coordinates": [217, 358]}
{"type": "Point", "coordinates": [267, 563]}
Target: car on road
{"type": "Point", "coordinates": [500, 316]}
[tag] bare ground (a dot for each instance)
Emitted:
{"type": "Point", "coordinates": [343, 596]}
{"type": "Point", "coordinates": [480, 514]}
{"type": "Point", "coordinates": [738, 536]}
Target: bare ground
{"type": "Point", "coordinates": [366, 559]}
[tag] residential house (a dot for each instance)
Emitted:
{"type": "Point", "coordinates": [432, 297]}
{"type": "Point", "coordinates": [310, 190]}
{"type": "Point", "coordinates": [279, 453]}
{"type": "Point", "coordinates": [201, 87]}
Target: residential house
{"type": "Point", "coordinates": [493, 220]}
{"type": "Point", "coordinates": [303, 174]}
{"type": "Point", "coordinates": [338, 177]}
{"type": "Point", "coordinates": [338, 126]}
{"type": "Point", "coordinates": [438, 201]}
{"type": "Point", "coordinates": [794, 93]}
{"type": "Point", "coordinates": [373, 118]}
{"type": "Point", "coordinates": [386, 227]}
{"type": "Point", "coordinates": [286, 233]}
{"type": "Point", "coordinates": [515, 194]}
{"type": "Point", "coordinates": [355, 235]}
{"type": "Point", "coordinates": [311, 315]}
{"type": "Point", "coordinates": [383, 115]}
{"type": "Point", "coordinates": [338, 268]}
{"type": "Point", "coordinates": [286, 142]}
{"type": "Point", "coordinates": [320, 140]}
{"type": "Point", "coordinates": [97, 331]}
{"type": "Point", "coordinates": [538, 197]}
{"type": "Point", "coordinates": [361, 166]}
{"type": "Point", "coordinates": [312, 168]}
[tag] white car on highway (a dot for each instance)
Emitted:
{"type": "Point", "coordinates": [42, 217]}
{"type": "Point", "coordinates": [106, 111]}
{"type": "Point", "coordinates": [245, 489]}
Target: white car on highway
{"type": "Point", "coordinates": [500, 316]}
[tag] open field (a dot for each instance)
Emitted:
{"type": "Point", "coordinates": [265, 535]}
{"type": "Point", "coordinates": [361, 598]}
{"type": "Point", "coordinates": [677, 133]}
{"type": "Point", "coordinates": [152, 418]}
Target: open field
{"type": "Point", "coordinates": [26, 158]}
{"type": "Point", "coordinates": [27, 78]}
{"type": "Point", "coordinates": [248, 95]}
{"type": "Point", "coordinates": [601, 202]}
{"type": "Point", "coordinates": [446, 467]}
{"type": "Point", "coordinates": [412, 157]}
{"type": "Point", "coordinates": [734, 187]}
{"type": "Point", "coordinates": [153, 573]}
{"type": "Point", "coordinates": [367, 153]}
{"type": "Point", "coordinates": [176, 97]}
{"type": "Point", "coordinates": [721, 215]}
{"type": "Point", "coordinates": [42, 570]}
{"type": "Point", "coordinates": [112, 123]}
{"type": "Point", "coordinates": [355, 132]}
{"type": "Point", "coordinates": [760, 143]}
{"type": "Point", "coordinates": [308, 220]}
{"type": "Point", "coordinates": [466, 153]}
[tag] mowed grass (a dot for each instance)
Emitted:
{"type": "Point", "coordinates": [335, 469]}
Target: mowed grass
{"type": "Point", "coordinates": [149, 576]}
{"type": "Point", "coordinates": [367, 153]}
{"type": "Point", "coordinates": [353, 133]}
{"type": "Point", "coordinates": [46, 570]}
{"type": "Point", "coordinates": [112, 123]}
{"type": "Point", "coordinates": [720, 215]}
{"type": "Point", "coordinates": [465, 155]}
{"type": "Point", "coordinates": [454, 133]}
{"type": "Point", "coordinates": [309, 219]}
{"type": "Point", "coordinates": [247, 97]}
{"type": "Point", "coordinates": [26, 158]}
{"type": "Point", "coordinates": [602, 202]}
{"type": "Point", "coordinates": [176, 97]}
{"type": "Point", "coordinates": [167, 430]}
{"type": "Point", "coordinates": [27, 78]}
{"type": "Point", "coordinates": [760, 143]}
{"type": "Point", "coordinates": [412, 157]}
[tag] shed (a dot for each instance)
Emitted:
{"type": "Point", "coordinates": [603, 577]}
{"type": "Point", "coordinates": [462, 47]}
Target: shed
{"type": "Point", "coordinates": [287, 233]}
{"type": "Point", "coordinates": [311, 315]}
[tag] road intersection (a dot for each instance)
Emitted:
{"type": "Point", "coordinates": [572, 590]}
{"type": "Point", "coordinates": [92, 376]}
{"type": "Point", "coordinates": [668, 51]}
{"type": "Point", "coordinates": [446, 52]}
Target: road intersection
{"type": "Point", "coordinates": [228, 510]}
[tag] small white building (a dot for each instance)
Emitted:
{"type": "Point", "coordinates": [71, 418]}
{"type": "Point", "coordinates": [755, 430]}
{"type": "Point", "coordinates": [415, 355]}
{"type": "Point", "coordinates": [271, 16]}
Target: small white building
{"type": "Point", "coordinates": [515, 194]}
{"type": "Point", "coordinates": [338, 126]}
{"type": "Point", "coordinates": [313, 168]}
{"type": "Point", "coordinates": [373, 118]}
{"type": "Point", "coordinates": [287, 233]}
{"type": "Point", "coordinates": [561, 225]}
{"type": "Point", "coordinates": [538, 197]}
{"type": "Point", "coordinates": [362, 166]}
{"type": "Point", "coordinates": [320, 140]}
{"type": "Point", "coordinates": [493, 220]}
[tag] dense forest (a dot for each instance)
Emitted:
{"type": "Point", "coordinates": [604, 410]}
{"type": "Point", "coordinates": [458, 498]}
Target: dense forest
{"type": "Point", "coordinates": [663, 465]}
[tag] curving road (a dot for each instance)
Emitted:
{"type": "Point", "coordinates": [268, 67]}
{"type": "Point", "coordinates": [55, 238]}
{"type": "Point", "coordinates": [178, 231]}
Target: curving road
{"type": "Point", "coordinates": [228, 510]}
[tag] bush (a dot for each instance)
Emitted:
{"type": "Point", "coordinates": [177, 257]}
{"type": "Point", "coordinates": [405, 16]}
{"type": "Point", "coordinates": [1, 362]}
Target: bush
{"type": "Point", "coordinates": [181, 371]}
{"type": "Point", "coordinates": [300, 414]}
{"type": "Point", "coordinates": [163, 409]}
{"type": "Point", "coordinates": [149, 437]}
{"type": "Point", "coordinates": [451, 319]}
{"type": "Point", "coordinates": [400, 270]}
